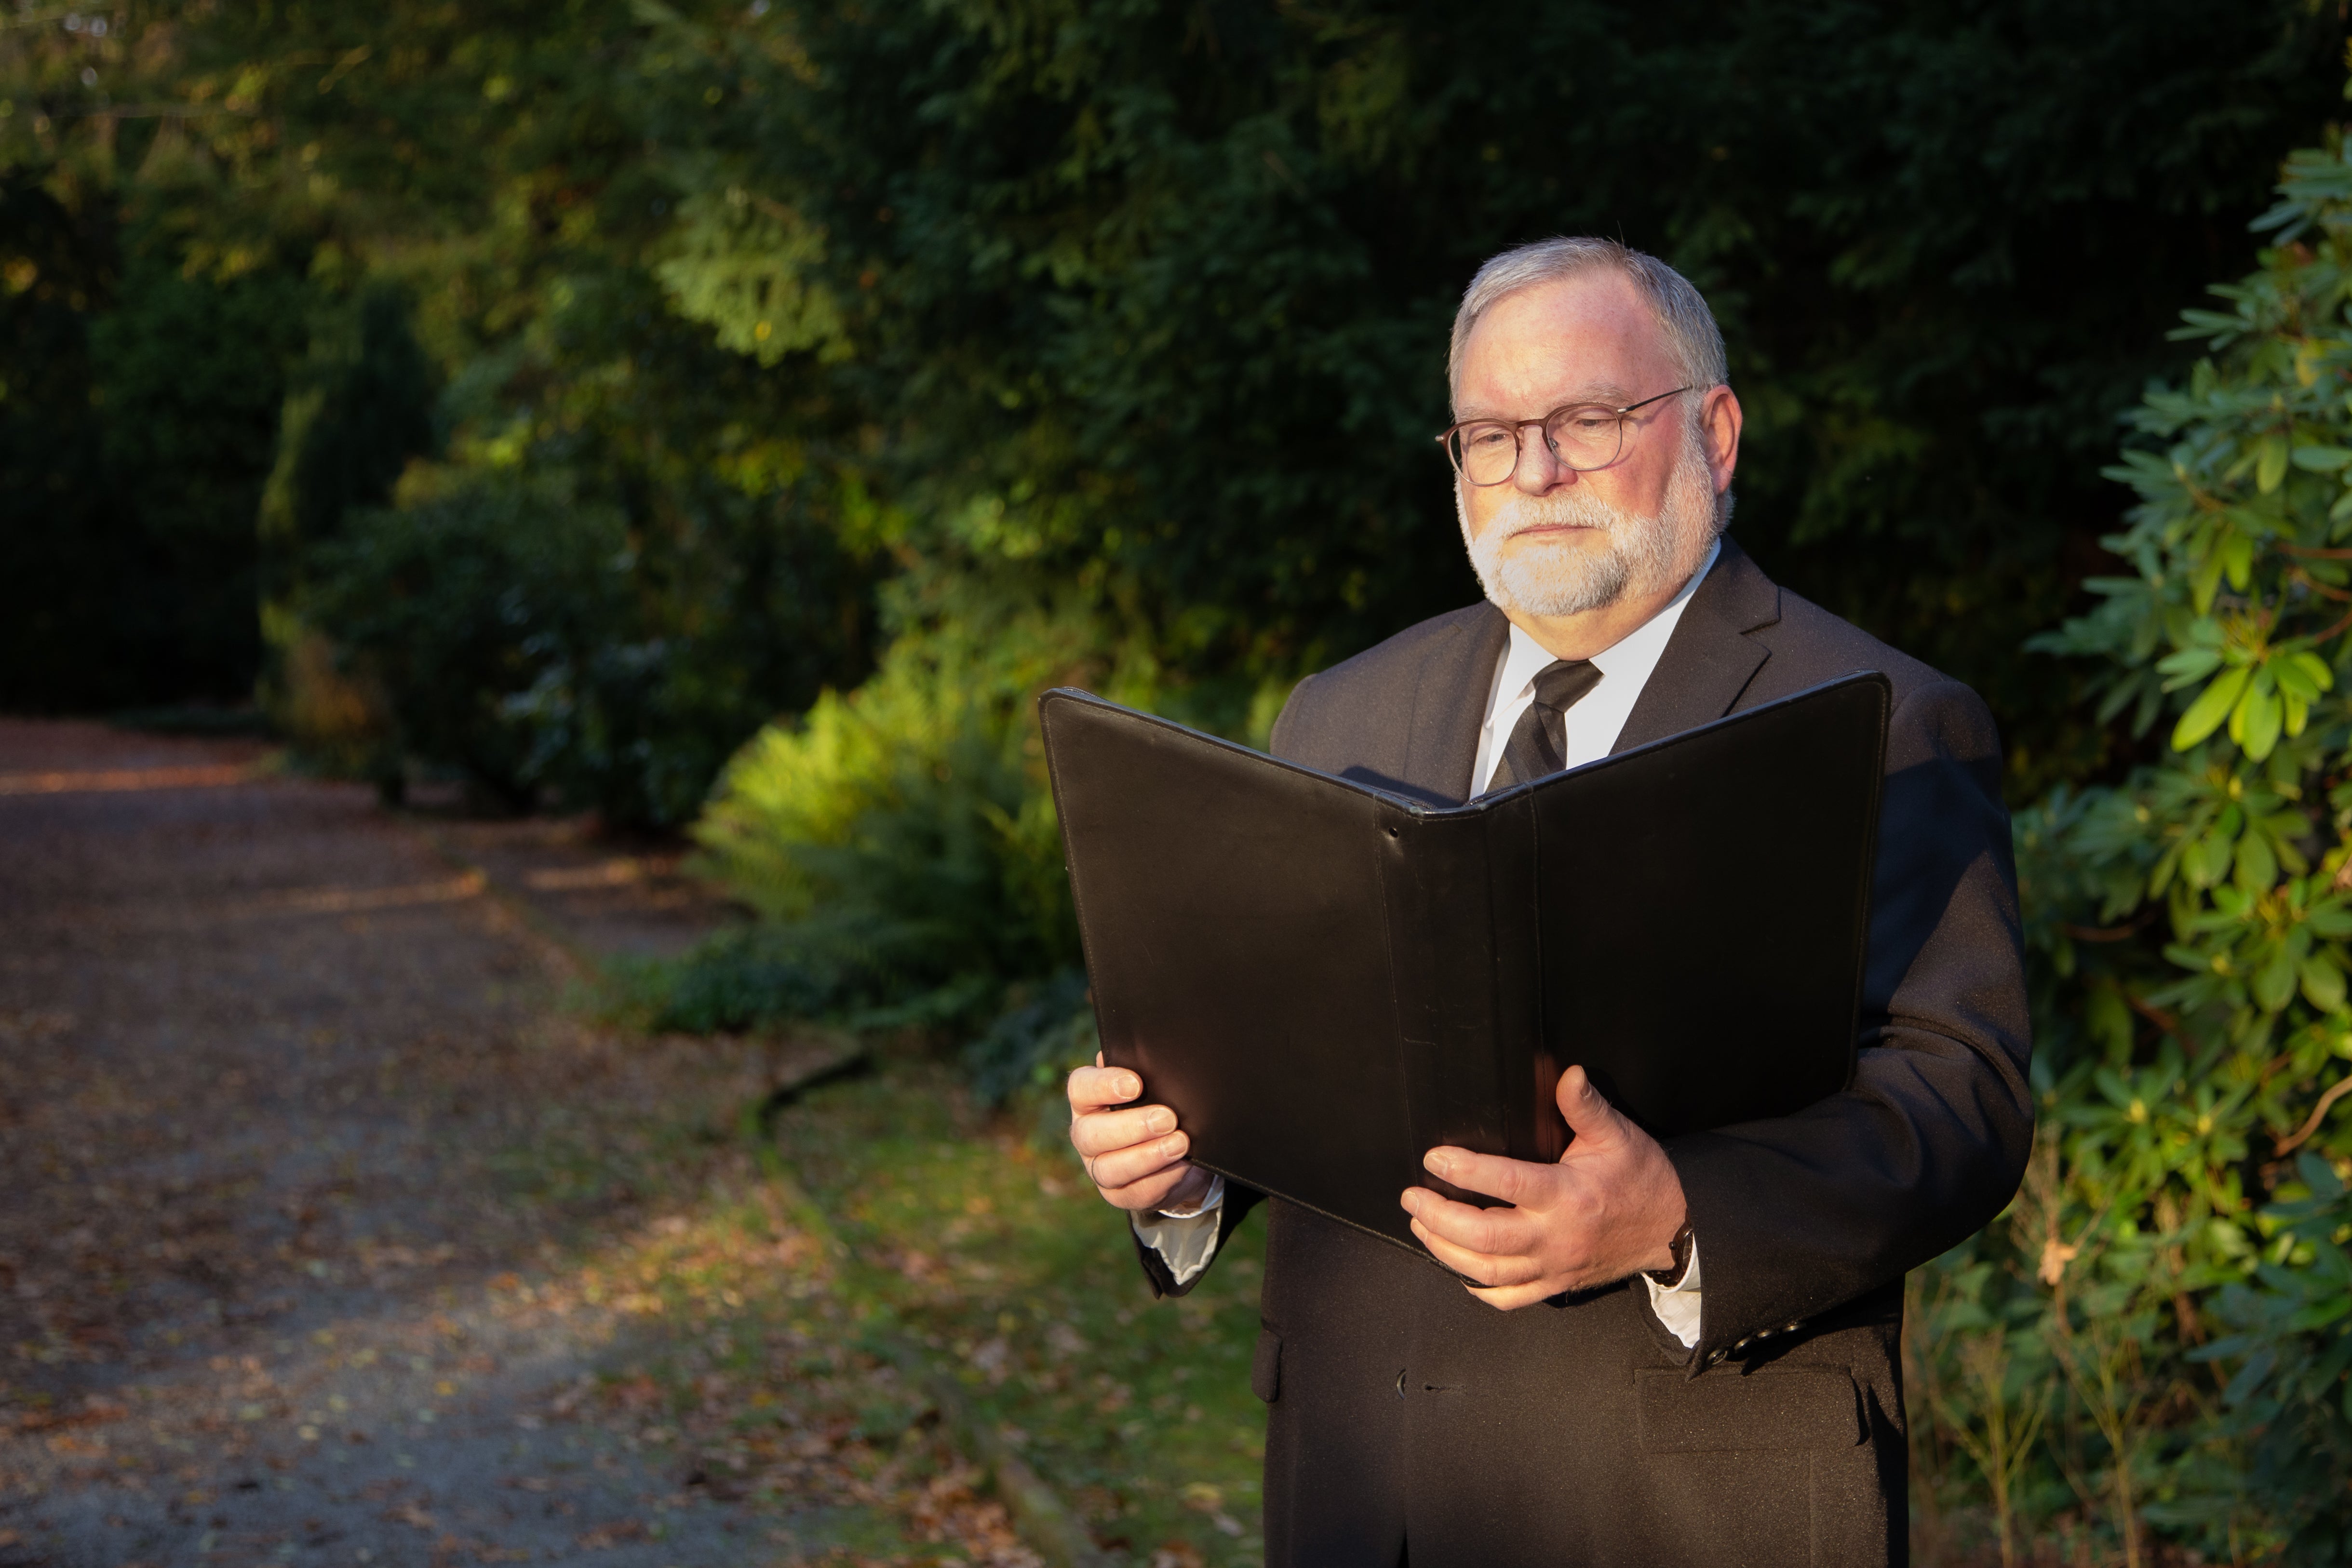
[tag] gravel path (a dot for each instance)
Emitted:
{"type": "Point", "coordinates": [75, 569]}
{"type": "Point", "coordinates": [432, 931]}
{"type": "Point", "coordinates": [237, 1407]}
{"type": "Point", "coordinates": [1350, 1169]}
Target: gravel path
{"type": "Point", "coordinates": [267, 1293]}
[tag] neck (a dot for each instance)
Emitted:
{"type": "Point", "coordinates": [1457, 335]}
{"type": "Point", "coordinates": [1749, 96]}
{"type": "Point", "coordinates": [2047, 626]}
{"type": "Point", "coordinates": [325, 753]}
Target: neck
{"type": "Point", "coordinates": [1590, 632]}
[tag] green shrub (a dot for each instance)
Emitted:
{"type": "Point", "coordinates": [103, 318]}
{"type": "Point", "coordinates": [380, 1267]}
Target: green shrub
{"type": "Point", "coordinates": [2189, 927]}
{"type": "Point", "coordinates": [469, 611]}
{"type": "Point", "coordinates": [554, 649]}
{"type": "Point", "coordinates": [905, 829]}
{"type": "Point", "coordinates": [737, 979]}
{"type": "Point", "coordinates": [1045, 1031]}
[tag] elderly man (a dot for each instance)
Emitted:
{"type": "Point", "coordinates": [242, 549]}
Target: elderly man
{"type": "Point", "coordinates": [1663, 1353]}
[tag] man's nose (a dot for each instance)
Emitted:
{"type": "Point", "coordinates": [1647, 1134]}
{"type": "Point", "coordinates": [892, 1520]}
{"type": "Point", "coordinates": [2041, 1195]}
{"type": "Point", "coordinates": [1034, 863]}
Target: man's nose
{"type": "Point", "coordinates": [1537, 472]}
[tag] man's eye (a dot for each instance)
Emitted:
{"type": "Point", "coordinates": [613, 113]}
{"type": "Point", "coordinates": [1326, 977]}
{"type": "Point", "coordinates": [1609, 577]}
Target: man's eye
{"type": "Point", "coordinates": [1485, 435]}
{"type": "Point", "coordinates": [1593, 423]}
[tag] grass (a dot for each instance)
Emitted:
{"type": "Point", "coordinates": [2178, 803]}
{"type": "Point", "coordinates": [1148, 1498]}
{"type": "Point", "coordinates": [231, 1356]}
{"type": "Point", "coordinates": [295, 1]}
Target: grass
{"type": "Point", "coordinates": [755, 1291]}
{"type": "Point", "coordinates": [981, 1238]}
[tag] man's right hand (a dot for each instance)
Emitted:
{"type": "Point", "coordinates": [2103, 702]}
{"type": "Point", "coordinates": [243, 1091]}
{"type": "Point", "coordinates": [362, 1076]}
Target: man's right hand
{"type": "Point", "coordinates": [1133, 1153]}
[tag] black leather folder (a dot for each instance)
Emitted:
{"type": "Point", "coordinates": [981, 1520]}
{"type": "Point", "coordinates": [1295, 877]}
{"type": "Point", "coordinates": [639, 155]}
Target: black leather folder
{"type": "Point", "coordinates": [1325, 980]}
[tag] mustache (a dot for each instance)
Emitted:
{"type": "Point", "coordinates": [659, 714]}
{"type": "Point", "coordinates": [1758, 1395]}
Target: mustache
{"type": "Point", "coordinates": [1528, 513]}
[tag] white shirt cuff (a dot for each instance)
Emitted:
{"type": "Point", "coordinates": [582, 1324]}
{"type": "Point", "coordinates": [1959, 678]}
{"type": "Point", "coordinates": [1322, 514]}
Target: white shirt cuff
{"type": "Point", "coordinates": [1677, 1305]}
{"type": "Point", "coordinates": [1185, 1242]}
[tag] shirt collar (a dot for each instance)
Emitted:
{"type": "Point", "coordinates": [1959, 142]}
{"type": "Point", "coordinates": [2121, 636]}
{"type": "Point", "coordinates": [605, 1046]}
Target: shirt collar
{"type": "Point", "coordinates": [1634, 655]}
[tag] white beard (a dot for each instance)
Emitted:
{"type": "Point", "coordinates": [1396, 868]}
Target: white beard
{"type": "Point", "coordinates": [1629, 553]}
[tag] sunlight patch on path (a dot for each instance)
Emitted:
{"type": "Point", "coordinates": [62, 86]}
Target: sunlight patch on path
{"type": "Point", "coordinates": [117, 780]}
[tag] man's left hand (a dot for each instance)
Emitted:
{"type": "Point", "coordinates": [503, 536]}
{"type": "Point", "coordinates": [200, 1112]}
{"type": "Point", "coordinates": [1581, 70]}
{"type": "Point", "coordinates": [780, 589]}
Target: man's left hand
{"type": "Point", "coordinates": [1610, 1209]}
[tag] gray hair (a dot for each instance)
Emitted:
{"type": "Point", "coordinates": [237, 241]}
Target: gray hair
{"type": "Point", "coordinates": [1692, 336]}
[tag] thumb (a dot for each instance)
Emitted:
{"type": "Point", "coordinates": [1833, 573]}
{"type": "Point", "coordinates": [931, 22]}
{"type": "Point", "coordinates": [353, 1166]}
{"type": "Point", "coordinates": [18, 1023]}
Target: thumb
{"type": "Point", "coordinates": [1591, 1120]}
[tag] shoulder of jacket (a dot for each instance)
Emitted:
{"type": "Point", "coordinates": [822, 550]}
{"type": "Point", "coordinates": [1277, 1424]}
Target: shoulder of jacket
{"type": "Point", "coordinates": [1373, 680]}
{"type": "Point", "coordinates": [1933, 711]}
{"type": "Point", "coordinates": [1827, 644]}
{"type": "Point", "coordinates": [1404, 653]}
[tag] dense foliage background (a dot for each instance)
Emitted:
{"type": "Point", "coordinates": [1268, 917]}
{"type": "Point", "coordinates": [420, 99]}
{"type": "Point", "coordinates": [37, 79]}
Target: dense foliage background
{"type": "Point", "coordinates": [554, 396]}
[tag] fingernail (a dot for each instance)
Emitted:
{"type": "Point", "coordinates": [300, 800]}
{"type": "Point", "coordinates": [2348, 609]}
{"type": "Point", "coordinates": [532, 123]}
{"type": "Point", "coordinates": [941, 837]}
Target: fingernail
{"type": "Point", "coordinates": [1439, 1163]}
{"type": "Point", "coordinates": [1161, 1121]}
{"type": "Point", "coordinates": [1131, 1087]}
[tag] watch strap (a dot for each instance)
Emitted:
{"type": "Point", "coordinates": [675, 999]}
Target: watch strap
{"type": "Point", "coordinates": [1668, 1277]}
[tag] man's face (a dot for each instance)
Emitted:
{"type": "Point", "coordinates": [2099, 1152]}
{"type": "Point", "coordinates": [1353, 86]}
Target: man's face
{"type": "Point", "coordinates": [1554, 542]}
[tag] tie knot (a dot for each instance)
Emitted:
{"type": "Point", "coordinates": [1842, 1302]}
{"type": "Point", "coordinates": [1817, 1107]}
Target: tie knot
{"type": "Point", "coordinates": [1561, 684]}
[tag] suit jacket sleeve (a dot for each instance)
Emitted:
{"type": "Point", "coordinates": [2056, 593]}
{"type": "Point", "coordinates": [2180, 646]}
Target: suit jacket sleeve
{"type": "Point", "coordinates": [1801, 1214]}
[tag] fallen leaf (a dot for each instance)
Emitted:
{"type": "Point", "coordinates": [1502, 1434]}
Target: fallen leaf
{"type": "Point", "coordinates": [611, 1534]}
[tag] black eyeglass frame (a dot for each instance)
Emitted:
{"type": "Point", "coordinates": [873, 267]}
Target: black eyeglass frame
{"type": "Point", "coordinates": [1446, 437]}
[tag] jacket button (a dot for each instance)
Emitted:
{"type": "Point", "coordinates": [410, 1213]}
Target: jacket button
{"type": "Point", "coordinates": [1792, 1328]}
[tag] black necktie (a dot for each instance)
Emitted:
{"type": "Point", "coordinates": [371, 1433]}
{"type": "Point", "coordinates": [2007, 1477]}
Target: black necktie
{"type": "Point", "coordinates": [1539, 740]}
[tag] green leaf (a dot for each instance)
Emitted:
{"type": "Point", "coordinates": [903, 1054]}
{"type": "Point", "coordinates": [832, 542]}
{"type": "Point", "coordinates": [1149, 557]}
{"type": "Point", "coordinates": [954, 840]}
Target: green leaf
{"type": "Point", "coordinates": [2238, 559]}
{"type": "Point", "coordinates": [2188, 666]}
{"type": "Point", "coordinates": [2206, 581]}
{"type": "Point", "coordinates": [2276, 983]}
{"type": "Point", "coordinates": [2322, 982]}
{"type": "Point", "coordinates": [2255, 724]}
{"type": "Point", "coordinates": [2315, 666]}
{"type": "Point", "coordinates": [2294, 679]}
{"type": "Point", "coordinates": [2319, 1175]}
{"type": "Point", "coordinates": [2330, 920]}
{"type": "Point", "coordinates": [2257, 867]}
{"type": "Point", "coordinates": [2269, 463]}
{"type": "Point", "coordinates": [2250, 1376]}
{"type": "Point", "coordinates": [2322, 459]}
{"type": "Point", "coordinates": [2211, 706]}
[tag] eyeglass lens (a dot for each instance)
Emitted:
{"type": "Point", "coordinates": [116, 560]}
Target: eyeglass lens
{"type": "Point", "coordinates": [1579, 437]}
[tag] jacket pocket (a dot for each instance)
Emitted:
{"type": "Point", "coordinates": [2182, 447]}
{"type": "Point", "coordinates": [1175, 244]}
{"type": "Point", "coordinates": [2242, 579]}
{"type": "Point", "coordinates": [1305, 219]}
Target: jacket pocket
{"type": "Point", "coordinates": [1787, 1407]}
{"type": "Point", "coordinates": [1265, 1367]}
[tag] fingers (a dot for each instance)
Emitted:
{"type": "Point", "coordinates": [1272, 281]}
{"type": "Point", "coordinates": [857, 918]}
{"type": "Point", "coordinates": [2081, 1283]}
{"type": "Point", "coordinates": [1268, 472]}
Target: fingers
{"type": "Point", "coordinates": [1494, 1232]}
{"type": "Point", "coordinates": [1154, 1191]}
{"type": "Point", "coordinates": [1135, 1155]}
{"type": "Point", "coordinates": [1477, 1268]}
{"type": "Point", "coordinates": [1101, 1132]}
{"type": "Point", "coordinates": [1511, 1298]}
{"type": "Point", "coordinates": [1137, 1162]}
{"type": "Point", "coordinates": [1512, 1181]}
{"type": "Point", "coordinates": [1092, 1088]}
{"type": "Point", "coordinates": [1594, 1122]}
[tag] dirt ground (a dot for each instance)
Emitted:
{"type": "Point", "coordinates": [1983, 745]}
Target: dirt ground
{"type": "Point", "coordinates": [269, 1290]}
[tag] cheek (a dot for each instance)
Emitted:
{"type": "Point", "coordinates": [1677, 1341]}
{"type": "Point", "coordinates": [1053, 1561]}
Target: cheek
{"type": "Point", "coordinates": [1475, 508]}
{"type": "Point", "coordinates": [1634, 490]}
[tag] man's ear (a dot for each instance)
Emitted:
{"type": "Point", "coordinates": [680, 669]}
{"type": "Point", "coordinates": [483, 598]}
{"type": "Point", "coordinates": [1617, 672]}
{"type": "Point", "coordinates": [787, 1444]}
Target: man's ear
{"type": "Point", "coordinates": [1720, 417]}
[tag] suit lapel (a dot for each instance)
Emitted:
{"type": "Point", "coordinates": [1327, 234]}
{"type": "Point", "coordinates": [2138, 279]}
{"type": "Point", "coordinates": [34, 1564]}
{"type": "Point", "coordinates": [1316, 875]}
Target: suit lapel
{"type": "Point", "coordinates": [1710, 659]}
{"type": "Point", "coordinates": [1449, 707]}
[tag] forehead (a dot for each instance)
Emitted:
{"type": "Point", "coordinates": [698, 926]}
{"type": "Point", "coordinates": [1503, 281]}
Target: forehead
{"type": "Point", "coordinates": [1592, 335]}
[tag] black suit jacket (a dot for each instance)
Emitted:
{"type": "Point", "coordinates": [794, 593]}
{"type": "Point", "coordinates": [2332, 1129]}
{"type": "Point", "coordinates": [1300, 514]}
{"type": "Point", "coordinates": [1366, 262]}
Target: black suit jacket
{"type": "Point", "coordinates": [1583, 1433]}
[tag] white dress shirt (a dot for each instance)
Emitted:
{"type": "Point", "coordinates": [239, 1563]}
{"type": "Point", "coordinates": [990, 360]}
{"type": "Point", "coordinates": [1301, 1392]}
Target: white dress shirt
{"type": "Point", "coordinates": [1594, 721]}
{"type": "Point", "coordinates": [1186, 1242]}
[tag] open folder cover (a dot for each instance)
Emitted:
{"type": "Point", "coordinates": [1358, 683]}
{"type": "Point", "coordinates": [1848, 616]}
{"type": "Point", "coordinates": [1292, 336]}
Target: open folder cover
{"type": "Point", "coordinates": [1324, 979]}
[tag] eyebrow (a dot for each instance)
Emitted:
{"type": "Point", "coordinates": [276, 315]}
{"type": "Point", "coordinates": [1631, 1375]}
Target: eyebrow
{"type": "Point", "coordinates": [1610, 395]}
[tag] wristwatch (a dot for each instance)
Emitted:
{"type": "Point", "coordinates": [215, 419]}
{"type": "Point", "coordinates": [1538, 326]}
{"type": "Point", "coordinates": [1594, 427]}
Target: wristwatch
{"type": "Point", "coordinates": [1668, 1277]}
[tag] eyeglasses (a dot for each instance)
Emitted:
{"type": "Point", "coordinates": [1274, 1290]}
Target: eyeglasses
{"type": "Point", "coordinates": [1581, 435]}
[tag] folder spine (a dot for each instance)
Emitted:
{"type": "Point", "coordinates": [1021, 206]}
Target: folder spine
{"type": "Point", "coordinates": [1463, 953]}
